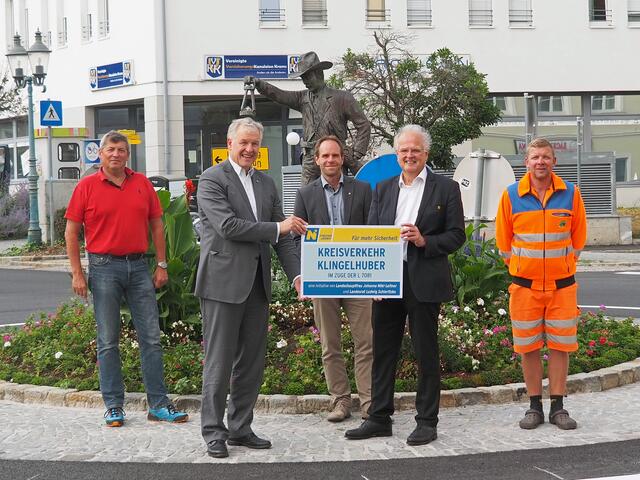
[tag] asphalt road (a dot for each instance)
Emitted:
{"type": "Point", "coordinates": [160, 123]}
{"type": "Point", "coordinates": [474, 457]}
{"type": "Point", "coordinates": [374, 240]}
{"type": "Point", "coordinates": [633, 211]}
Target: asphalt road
{"type": "Point", "coordinates": [23, 292]}
{"type": "Point", "coordinates": [612, 289]}
{"type": "Point", "coordinates": [568, 463]}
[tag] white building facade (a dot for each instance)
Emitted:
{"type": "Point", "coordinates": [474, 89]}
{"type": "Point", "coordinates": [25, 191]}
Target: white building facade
{"type": "Point", "coordinates": [576, 56]}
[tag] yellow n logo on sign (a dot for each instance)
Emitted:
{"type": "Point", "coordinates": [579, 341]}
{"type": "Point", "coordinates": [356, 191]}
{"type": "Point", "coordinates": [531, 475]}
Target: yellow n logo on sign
{"type": "Point", "coordinates": [312, 235]}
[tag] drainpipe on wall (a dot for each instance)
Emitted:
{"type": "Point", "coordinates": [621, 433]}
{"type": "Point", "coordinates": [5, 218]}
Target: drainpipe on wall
{"type": "Point", "coordinates": [165, 87]}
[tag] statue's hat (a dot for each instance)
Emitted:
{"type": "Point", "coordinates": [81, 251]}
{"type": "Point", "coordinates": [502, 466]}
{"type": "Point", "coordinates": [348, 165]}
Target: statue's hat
{"type": "Point", "coordinates": [310, 61]}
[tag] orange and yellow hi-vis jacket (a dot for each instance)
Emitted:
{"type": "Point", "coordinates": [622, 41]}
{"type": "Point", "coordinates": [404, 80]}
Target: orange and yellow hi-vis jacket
{"type": "Point", "coordinates": [541, 241]}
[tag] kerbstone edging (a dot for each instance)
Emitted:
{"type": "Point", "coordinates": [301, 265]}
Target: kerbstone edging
{"type": "Point", "coordinates": [596, 381]}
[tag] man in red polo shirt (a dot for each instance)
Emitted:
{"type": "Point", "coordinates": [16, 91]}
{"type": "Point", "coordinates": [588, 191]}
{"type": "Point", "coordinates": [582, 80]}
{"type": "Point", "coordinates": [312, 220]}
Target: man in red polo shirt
{"type": "Point", "coordinates": [117, 206]}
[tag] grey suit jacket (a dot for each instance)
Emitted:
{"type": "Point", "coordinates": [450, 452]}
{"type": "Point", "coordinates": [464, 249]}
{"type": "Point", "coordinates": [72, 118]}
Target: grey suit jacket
{"type": "Point", "coordinates": [311, 202]}
{"type": "Point", "coordinates": [233, 240]}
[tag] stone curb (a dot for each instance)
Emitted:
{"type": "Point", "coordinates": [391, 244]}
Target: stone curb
{"type": "Point", "coordinates": [596, 381]}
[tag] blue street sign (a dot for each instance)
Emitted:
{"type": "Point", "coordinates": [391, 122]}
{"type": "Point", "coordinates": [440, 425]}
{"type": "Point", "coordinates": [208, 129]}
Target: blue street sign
{"type": "Point", "coordinates": [50, 113]}
{"type": "Point", "coordinates": [379, 169]}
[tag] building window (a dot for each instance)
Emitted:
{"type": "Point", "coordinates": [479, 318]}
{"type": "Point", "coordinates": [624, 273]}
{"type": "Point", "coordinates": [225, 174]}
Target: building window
{"type": "Point", "coordinates": [621, 169]}
{"type": "Point", "coordinates": [62, 32]}
{"type": "Point", "coordinates": [606, 103]}
{"type": "Point", "coordinates": [86, 28]}
{"type": "Point", "coordinates": [551, 104]}
{"type": "Point", "coordinates": [377, 13]}
{"type": "Point", "coordinates": [505, 104]}
{"type": "Point", "coordinates": [314, 12]}
{"type": "Point", "coordinates": [419, 13]}
{"type": "Point", "coordinates": [520, 13]}
{"type": "Point", "coordinates": [104, 27]}
{"type": "Point", "coordinates": [25, 30]}
{"type": "Point", "coordinates": [480, 13]}
{"type": "Point", "coordinates": [598, 12]}
{"type": "Point", "coordinates": [271, 15]}
{"type": "Point", "coordinates": [633, 12]}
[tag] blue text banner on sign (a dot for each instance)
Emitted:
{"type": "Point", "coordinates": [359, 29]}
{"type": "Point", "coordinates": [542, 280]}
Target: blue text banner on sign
{"type": "Point", "coordinates": [219, 67]}
{"type": "Point", "coordinates": [117, 74]}
{"type": "Point", "coordinates": [352, 262]}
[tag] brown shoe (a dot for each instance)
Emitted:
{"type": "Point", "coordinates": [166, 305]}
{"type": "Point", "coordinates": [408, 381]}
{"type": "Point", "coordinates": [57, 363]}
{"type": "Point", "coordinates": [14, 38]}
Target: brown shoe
{"type": "Point", "coordinates": [562, 420]}
{"type": "Point", "coordinates": [532, 418]}
{"type": "Point", "coordinates": [340, 411]}
{"type": "Point", "coordinates": [364, 410]}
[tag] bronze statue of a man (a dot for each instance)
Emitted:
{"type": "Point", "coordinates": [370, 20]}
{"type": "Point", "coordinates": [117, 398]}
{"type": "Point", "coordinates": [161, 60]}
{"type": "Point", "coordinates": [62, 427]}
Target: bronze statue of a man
{"type": "Point", "coordinates": [325, 111]}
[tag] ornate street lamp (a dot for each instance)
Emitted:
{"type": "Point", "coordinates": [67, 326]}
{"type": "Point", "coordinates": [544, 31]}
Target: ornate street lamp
{"type": "Point", "coordinates": [29, 67]}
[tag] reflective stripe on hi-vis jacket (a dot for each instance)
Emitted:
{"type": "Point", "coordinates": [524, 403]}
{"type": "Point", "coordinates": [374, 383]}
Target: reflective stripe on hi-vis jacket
{"type": "Point", "coordinates": [541, 240]}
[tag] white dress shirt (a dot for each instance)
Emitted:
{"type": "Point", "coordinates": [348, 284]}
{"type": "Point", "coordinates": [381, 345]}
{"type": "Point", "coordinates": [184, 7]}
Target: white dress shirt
{"type": "Point", "coordinates": [409, 200]}
{"type": "Point", "coordinates": [245, 180]}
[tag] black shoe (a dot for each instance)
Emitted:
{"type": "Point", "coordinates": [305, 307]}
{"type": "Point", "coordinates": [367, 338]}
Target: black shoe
{"type": "Point", "coordinates": [251, 440]}
{"type": "Point", "coordinates": [422, 435]}
{"type": "Point", "coordinates": [217, 449]}
{"type": "Point", "coordinates": [369, 429]}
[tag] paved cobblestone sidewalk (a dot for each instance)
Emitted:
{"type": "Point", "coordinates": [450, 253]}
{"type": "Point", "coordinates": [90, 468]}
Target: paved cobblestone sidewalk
{"type": "Point", "coordinates": [37, 432]}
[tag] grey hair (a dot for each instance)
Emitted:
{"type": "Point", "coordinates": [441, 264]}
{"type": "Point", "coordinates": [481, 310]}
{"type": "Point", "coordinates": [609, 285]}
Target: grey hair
{"type": "Point", "coordinates": [245, 122]}
{"type": "Point", "coordinates": [114, 137]}
{"type": "Point", "coordinates": [412, 128]}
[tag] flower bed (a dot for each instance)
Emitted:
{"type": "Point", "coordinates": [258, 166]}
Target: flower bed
{"type": "Point", "coordinates": [475, 344]}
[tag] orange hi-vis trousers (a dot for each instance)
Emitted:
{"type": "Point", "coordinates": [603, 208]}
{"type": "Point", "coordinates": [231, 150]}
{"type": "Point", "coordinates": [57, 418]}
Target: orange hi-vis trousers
{"type": "Point", "coordinates": [537, 315]}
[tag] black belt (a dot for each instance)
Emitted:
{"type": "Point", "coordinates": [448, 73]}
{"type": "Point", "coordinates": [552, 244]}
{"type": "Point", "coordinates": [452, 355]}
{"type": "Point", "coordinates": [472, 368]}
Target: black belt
{"type": "Point", "coordinates": [131, 256]}
{"type": "Point", "coordinates": [560, 283]}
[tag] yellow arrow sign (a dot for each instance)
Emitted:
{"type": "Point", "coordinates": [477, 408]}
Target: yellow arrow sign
{"type": "Point", "coordinates": [219, 155]}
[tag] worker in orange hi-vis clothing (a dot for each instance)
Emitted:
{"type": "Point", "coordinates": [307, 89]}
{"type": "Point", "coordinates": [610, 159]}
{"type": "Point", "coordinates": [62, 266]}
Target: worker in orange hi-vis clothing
{"type": "Point", "coordinates": [541, 227]}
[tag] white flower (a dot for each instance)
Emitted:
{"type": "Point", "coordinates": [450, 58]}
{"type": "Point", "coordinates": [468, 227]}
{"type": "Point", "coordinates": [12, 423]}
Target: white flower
{"type": "Point", "coordinates": [475, 363]}
{"type": "Point", "coordinates": [467, 309]}
{"type": "Point", "coordinates": [480, 302]}
{"type": "Point", "coordinates": [58, 355]}
{"type": "Point", "coordinates": [281, 343]}
{"type": "Point", "coordinates": [454, 309]}
{"type": "Point", "coordinates": [7, 344]}
{"type": "Point", "coordinates": [134, 344]}
{"type": "Point", "coordinates": [502, 311]}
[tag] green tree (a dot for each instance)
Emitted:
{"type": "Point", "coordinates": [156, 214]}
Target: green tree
{"type": "Point", "coordinates": [442, 93]}
{"type": "Point", "coordinates": [10, 103]}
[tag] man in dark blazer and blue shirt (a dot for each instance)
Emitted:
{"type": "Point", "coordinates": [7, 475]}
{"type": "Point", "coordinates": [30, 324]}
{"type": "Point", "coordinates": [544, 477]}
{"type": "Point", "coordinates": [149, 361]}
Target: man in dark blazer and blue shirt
{"type": "Point", "coordinates": [428, 209]}
{"type": "Point", "coordinates": [241, 219]}
{"type": "Point", "coordinates": [334, 199]}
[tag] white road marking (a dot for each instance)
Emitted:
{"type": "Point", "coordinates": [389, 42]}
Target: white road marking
{"type": "Point", "coordinates": [623, 477]}
{"type": "Point", "coordinates": [11, 324]}
{"type": "Point", "coordinates": [550, 473]}
{"type": "Point", "coordinates": [628, 273]}
{"type": "Point", "coordinates": [610, 307]}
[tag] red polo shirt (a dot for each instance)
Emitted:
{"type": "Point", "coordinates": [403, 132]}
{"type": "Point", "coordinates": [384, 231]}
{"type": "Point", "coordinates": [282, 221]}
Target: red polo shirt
{"type": "Point", "coordinates": [116, 219]}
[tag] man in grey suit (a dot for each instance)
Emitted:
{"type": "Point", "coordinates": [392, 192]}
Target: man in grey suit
{"type": "Point", "coordinates": [241, 217]}
{"type": "Point", "coordinates": [334, 199]}
{"type": "Point", "coordinates": [325, 111]}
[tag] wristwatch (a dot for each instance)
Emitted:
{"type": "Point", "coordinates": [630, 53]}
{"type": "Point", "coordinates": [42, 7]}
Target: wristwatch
{"type": "Point", "coordinates": [162, 265]}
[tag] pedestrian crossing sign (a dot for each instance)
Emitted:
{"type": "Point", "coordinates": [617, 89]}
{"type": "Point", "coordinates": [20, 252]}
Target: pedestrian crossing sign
{"type": "Point", "coordinates": [50, 113]}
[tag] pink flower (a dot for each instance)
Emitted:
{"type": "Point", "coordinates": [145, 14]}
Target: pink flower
{"type": "Point", "coordinates": [602, 307]}
{"type": "Point", "coordinates": [7, 338]}
{"type": "Point", "coordinates": [602, 340]}
{"type": "Point", "coordinates": [592, 343]}
{"type": "Point", "coordinates": [505, 342]}
{"type": "Point", "coordinates": [299, 351]}
{"type": "Point", "coordinates": [545, 357]}
{"type": "Point", "coordinates": [590, 352]}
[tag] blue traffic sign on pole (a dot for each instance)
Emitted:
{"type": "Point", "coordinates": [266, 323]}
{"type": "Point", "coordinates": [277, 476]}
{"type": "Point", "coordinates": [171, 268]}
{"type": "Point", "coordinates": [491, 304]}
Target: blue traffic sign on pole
{"type": "Point", "coordinates": [50, 113]}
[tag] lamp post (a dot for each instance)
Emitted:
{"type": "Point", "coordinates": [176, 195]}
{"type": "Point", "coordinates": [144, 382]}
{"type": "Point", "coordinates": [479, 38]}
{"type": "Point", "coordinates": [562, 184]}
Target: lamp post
{"type": "Point", "coordinates": [33, 61]}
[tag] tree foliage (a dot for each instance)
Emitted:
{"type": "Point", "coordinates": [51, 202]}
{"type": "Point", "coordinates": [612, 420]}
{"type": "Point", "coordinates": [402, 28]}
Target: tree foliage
{"type": "Point", "coordinates": [10, 100]}
{"type": "Point", "coordinates": [395, 87]}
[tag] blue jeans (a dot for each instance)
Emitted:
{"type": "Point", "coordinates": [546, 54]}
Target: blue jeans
{"type": "Point", "coordinates": [111, 280]}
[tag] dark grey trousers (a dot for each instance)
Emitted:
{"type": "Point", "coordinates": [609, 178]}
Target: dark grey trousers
{"type": "Point", "coordinates": [235, 340]}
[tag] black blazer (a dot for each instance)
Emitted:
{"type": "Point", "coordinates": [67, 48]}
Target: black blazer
{"type": "Point", "coordinates": [311, 203]}
{"type": "Point", "coordinates": [441, 223]}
